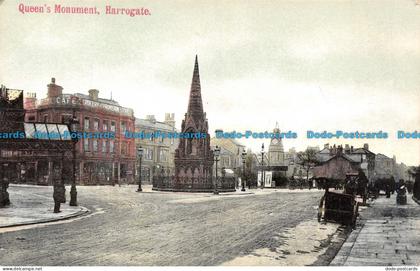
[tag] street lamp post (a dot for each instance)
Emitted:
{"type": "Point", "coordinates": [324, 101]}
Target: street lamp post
{"type": "Point", "coordinates": [216, 153]}
{"type": "Point", "coordinates": [140, 155]}
{"type": "Point", "coordinates": [262, 167]}
{"type": "Point", "coordinates": [243, 170]}
{"type": "Point", "coordinates": [74, 125]}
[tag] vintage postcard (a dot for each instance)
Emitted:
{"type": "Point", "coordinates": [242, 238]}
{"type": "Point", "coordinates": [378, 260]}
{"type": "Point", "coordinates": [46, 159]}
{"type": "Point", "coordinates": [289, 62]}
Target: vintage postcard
{"type": "Point", "coordinates": [225, 133]}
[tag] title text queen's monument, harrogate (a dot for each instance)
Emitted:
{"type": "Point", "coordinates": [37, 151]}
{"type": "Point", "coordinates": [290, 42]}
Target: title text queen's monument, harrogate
{"type": "Point", "coordinates": [193, 157]}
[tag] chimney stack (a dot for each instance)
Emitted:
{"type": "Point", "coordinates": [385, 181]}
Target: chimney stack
{"type": "Point", "coordinates": [366, 146]}
{"type": "Point", "coordinates": [170, 119]}
{"type": "Point", "coordinates": [151, 118]}
{"type": "Point", "coordinates": [347, 149]}
{"type": "Point", "coordinates": [54, 90]}
{"type": "Point", "coordinates": [339, 150]}
{"type": "Point", "coordinates": [29, 101]}
{"type": "Point", "coordinates": [94, 94]}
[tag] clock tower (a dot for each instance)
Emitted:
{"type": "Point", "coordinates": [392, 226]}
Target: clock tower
{"type": "Point", "coordinates": [275, 150]}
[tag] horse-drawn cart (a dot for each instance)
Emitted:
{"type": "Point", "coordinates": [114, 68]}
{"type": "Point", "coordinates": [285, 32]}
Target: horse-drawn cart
{"type": "Point", "coordinates": [338, 207]}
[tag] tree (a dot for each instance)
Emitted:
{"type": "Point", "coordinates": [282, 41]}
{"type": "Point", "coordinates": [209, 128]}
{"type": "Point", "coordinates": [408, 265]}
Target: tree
{"type": "Point", "coordinates": [307, 159]}
{"type": "Point", "coordinates": [412, 171]}
{"type": "Point", "coordinates": [250, 169]}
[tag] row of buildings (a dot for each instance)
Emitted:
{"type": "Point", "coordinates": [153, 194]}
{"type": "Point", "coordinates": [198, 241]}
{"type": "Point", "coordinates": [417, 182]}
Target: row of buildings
{"type": "Point", "coordinates": [101, 160]}
{"type": "Point", "coordinates": [376, 166]}
{"type": "Point", "coordinates": [114, 160]}
{"type": "Point", "coordinates": [110, 160]}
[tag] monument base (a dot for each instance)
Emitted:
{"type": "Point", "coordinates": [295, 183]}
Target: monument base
{"type": "Point", "coordinates": [193, 190]}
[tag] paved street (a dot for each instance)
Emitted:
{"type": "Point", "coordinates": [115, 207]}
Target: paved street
{"type": "Point", "coordinates": [34, 208]}
{"type": "Point", "coordinates": [128, 228]}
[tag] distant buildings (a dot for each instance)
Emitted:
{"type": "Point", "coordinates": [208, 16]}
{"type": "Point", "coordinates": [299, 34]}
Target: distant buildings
{"type": "Point", "coordinates": [99, 160]}
{"type": "Point", "coordinates": [386, 167]}
{"type": "Point", "coordinates": [336, 166]}
{"type": "Point", "coordinates": [362, 156]}
{"type": "Point", "coordinates": [375, 166]}
{"type": "Point", "coordinates": [159, 152]}
{"type": "Point", "coordinates": [230, 154]}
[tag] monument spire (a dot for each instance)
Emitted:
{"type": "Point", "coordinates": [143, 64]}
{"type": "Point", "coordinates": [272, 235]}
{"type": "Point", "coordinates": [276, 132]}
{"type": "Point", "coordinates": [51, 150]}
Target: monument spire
{"type": "Point", "coordinates": [195, 104]}
{"type": "Point", "coordinates": [194, 158]}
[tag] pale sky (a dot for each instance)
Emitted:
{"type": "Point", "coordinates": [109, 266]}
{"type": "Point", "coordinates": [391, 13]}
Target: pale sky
{"type": "Point", "coordinates": [310, 65]}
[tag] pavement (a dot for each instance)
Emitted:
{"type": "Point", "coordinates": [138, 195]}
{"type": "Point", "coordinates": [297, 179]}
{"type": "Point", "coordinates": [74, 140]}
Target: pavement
{"type": "Point", "coordinates": [389, 235]}
{"type": "Point", "coordinates": [31, 207]}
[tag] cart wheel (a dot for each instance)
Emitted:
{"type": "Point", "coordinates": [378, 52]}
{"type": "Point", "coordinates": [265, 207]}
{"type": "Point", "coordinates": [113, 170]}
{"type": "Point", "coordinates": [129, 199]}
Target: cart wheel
{"type": "Point", "coordinates": [355, 215]}
{"type": "Point", "coordinates": [320, 208]}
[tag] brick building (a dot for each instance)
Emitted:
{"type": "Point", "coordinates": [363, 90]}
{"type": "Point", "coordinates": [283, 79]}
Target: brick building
{"type": "Point", "coordinates": [101, 160]}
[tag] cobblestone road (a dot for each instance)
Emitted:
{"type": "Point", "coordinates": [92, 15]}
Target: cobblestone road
{"type": "Point", "coordinates": [128, 228]}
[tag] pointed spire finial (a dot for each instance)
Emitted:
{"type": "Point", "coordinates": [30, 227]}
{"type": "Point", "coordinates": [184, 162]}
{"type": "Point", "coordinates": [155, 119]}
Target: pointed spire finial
{"type": "Point", "coordinates": [195, 105]}
{"type": "Point", "coordinates": [196, 74]}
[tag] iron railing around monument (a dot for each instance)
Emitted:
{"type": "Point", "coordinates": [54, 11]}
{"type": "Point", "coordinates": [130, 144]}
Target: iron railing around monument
{"type": "Point", "coordinates": [193, 183]}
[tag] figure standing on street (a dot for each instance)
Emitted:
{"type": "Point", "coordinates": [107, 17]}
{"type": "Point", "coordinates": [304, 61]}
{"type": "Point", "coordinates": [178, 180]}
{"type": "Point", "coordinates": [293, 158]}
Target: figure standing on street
{"type": "Point", "coordinates": [388, 190]}
{"type": "Point", "coordinates": [4, 195]}
{"type": "Point", "coordinates": [59, 195]}
{"type": "Point", "coordinates": [401, 193]}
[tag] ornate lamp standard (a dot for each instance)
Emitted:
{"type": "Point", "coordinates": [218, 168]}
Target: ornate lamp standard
{"type": "Point", "coordinates": [216, 153]}
{"type": "Point", "coordinates": [74, 126]}
{"type": "Point", "coordinates": [262, 167]}
{"type": "Point", "coordinates": [140, 155]}
{"type": "Point", "coordinates": [243, 169]}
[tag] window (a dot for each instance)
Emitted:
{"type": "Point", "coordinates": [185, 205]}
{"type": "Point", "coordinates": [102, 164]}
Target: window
{"type": "Point", "coordinates": [113, 126]}
{"type": "Point", "coordinates": [104, 146]}
{"type": "Point", "coordinates": [226, 161]}
{"type": "Point", "coordinates": [123, 127]}
{"type": "Point", "coordinates": [148, 154]}
{"type": "Point", "coordinates": [96, 124]}
{"type": "Point", "coordinates": [86, 144]}
{"type": "Point", "coordinates": [45, 118]}
{"type": "Point", "coordinates": [95, 145]}
{"type": "Point", "coordinates": [163, 155]}
{"type": "Point", "coordinates": [65, 118]}
{"type": "Point", "coordinates": [123, 148]}
{"type": "Point", "coordinates": [87, 123]}
{"type": "Point", "coordinates": [111, 146]}
{"type": "Point", "coordinates": [31, 118]}
{"type": "Point", "coordinates": [105, 125]}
